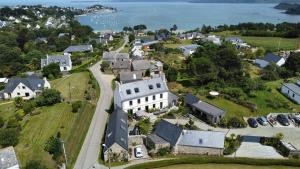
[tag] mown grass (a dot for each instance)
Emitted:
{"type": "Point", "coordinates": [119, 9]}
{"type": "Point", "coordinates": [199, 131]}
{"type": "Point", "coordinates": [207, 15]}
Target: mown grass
{"type": "Point", "coordinates": [59, 118]}
{"type": "Point", "coordinates": [177, 45]}
{"type": "Point", "coordinates": [269, 43]}
{"type": "Point", "coordinates": [7, 109]}
{"type": "Point", "coordinates": [216, 160]}
{"type": "Point", "coordinates": [224, 166]}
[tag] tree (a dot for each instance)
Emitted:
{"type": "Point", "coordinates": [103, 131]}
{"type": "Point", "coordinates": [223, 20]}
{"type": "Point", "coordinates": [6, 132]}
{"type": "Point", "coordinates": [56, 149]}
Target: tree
{"type": "Point", "coordinates": [34, 58]}
{"type": "Point", "coordinates": [34, 165]}
{"type": "Point", "coordinates": [204, 70]}
{"type": "Point", "coordinates": [52, 70]}
{"type": "Point", "coordinates": [19, 102]}
{"type": "Point", "coordinates": [260, 52]}
{"type": "Point", "coordinates": [48, 97]}
{"type": "Point", "coordinates": [131, 38]}
{"type": "Point", "coordinates": [105, 65]}
{"type": "Point", "coordinates": [9, 137]}
{"type": "Point", "coordinates": [54, 146]}
{"type": "Point", "coordinates": [76, 106]}
{"type": "Point", "coordinates": [293, 63]}
{"type": "Point", "coordinates": [172, 74]}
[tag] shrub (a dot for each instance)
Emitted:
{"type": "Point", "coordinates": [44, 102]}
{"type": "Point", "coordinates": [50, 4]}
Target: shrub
{"type": "Point", "coordinates": [9, 137]}
{"type": "Point", "coordinates": [48, 97]}
{"type": "Point", "coordinates": [144, 126]}
{"type": "Point", "coordinates": [13, 123]}
{"type": "Point", "coordinates": [54, 146]}
{"type": "Point", "coordinates": [52, 71]}
{"type": "Point", "coordinates": [164, 151]}
{"type": "Point", "coordinates": [19, 102]}
{"type": "Point", "coordinates": [236, 122]}
{"type": "Point", "coordinates": [20, 114]}
{"type": "Point", "coordinates": [29, 106]}
{"type": "Point", "coordinates": [76, 106]}
{"type": "Point", "coordinates": [1, 122]}
{"type": "Point", "coordinates": [34, 165]}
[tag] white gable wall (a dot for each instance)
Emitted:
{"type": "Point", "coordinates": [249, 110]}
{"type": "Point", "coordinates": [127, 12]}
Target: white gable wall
{"type": "Point", "coordinates": [290, 94]}
{"type": "Point", "coordinates": [21, 90]}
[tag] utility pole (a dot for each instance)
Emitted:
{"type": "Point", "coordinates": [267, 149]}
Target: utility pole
{"type": "Point", "coordinates": [70, 95]}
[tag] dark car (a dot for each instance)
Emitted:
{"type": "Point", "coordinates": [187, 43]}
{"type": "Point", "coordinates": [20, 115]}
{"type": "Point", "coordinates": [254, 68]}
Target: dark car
{"type": "Point", "coordinates": [252, 123]}
{"type": "Point", "coordinates": [283, 120]}
{"type": "Point", "coordinates": [297, 120]}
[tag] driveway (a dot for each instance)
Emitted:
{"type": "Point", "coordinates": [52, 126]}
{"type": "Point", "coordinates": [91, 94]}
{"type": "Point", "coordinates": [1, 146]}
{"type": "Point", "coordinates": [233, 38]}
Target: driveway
{"type": "Point", "coordinates": [88, 156]}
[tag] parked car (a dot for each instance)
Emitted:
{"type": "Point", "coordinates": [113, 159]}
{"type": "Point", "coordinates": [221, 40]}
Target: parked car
{"type": "Point", "coordinates": [138, 152]}
{"type": "Point", "coordinates": [296, 119]}
{"type": "Point", "coordinates": [252, 123]}
{"type": "Point", "coordinates": [262, 121]}
{"type": "Point", "coordinates": [283, 120]}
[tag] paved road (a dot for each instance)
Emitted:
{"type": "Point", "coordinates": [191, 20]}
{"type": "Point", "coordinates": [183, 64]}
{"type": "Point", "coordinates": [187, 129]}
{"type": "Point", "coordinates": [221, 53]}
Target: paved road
{"type": "Point", "coordinates": [88, 156]}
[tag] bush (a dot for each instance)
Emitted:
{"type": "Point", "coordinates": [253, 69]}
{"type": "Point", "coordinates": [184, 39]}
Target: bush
{"type": "Point", "coordinates": [19, 102]}
{"type": "Point", "coordinates": [34, 165]}
{"type": "Point", "coordinates": [1, 122]}
{"type": "Point", "coordinates": [13, 123]}
{"type": "Point", "coordinates": [236, 122]}
{"type": "Point", "coordinates": [164, 151]}
{"type": "Point", "coordinates": [144, 126]}
{"type": "Point", "coordinates": [52, 71]}
{"type": "Point", "coordinates": [54, 146]}
{"type": "Point", "coordinates": [48, 97]}
{"type": "Point", "coordinates": [29, 106]}
{"type": "Point", "coordinates": [76, 106]}
{"type": "Point", "coordinates": [20, 114]}
{"type": "Point", "coordinates": [9, 137]}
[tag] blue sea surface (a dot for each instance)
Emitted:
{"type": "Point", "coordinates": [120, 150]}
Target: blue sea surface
{"type": "Point", "coordinates": [158, 15]}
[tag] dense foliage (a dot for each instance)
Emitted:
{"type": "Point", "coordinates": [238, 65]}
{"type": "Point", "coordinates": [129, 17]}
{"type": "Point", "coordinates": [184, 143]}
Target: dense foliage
{"type": "Point", "coordinates": [34, 165]}
{"type": "Point", "coordinates": [48, 97]}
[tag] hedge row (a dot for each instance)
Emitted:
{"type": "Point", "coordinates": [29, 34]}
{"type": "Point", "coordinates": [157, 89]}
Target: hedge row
{"type": "Point", "coordinates": [216, 160]}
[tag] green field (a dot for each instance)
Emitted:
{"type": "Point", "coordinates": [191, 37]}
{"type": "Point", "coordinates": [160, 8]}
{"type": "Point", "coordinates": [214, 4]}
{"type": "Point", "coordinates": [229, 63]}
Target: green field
{"type": "Point", "coordinates": [224, 166]}
{"type": "Point", "coordinates": [7, 109]}
{"type": "Point", "coordinates": [269, 43]}
{"type": "Point", "coordinates": [73, 126]}
{"type": "Point", "coordinates": [177, 45]}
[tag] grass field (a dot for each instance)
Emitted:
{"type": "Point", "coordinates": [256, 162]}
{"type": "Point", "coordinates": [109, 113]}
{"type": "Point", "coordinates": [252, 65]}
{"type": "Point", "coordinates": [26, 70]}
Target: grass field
{"type": "Point", "coordinates": [73, 126]}
{"type": "Point", "coordinates": [177, 45]}
{"type": "Point", "coordinates": [269, 43]}
{"type": "Point", "coordinates": [224, 166]}
{"type": "Point", "coordinates": [7, 109]}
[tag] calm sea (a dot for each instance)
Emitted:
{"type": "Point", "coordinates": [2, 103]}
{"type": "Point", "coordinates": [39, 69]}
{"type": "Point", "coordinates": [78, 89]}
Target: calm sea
{"type": "Point", "coordinates": [158, 15]}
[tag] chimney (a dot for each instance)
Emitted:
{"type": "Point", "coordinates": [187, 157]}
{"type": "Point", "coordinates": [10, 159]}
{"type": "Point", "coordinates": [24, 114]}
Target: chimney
{"type": "Point", "coordinates": [134, 76]}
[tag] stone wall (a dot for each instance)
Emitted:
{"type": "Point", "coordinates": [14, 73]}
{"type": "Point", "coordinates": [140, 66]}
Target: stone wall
{"type": "Point", "coordinates": [180, 149]}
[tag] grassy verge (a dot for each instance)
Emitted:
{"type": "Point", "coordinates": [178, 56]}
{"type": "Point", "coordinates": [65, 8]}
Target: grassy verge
{"type": "Point", "coordinates": [49, 120]}
{"type": "Point", "coordinates": [224, 166]}
{"type": "Point", "coordinates": [216, 160]}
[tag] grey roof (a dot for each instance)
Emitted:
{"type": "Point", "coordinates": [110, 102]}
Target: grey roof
{"type": "Point", "coordinates": [172, 97]}
{"type": "Point", "coordinates": [79, 48]}
{"type": "Point", "coordinates": [293, 87]}
{"type": "Point", "coordinates": [127, 76]}
{"type": "Point", "coordinates": [63, 60]}
{"type": "Point", "coordinates": [141, 65]}
{"type": "Point", "coordinates": [168, 132]}
{"type": "Point", "coordinates": [196, 138]}
{"type": "Point", "coordinates": [32, 83]}
{"type": "Point", "coordinates": [8, 158]}
{"type": "Point", "coordinates": [189, 47]}
{"type": "Point", "coordinates": [150, 43]}
{"type": "Point", "coordinates": [156, 139]}
{"type": "Point", "coordinates": [117, 129]}
{"type": "Point", "coordinates": [143, 88]}
{"type": "Point", "coordinates": [234, 40]}
{"type": "Point", "coordinates": [261, 63]}
{"type": "Point", "coordinates": [113, 56]}
{"type": "Point", "coordinates": [203, 106]}
{"type": "Point", "coordinates": [119, 64]}
{"type": "Point", "coordinates": [122, 56]}
{"type": "Point", "coordinates": [270, 57]}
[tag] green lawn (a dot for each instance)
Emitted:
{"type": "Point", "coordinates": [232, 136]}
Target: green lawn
{"type": "Point", "coordinates": [224, 166]}
{"type": "Point", "coordinates": [7, 109]}
{"type": "Point", "coordinates": [73, 126]}
{"type": "Point", "coordinates": [269, 43]}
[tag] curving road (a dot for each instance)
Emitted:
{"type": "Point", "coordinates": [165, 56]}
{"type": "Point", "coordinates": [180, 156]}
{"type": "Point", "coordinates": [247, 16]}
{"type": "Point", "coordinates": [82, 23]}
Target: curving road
{"type": "Point", "coordinates": [88, 156]}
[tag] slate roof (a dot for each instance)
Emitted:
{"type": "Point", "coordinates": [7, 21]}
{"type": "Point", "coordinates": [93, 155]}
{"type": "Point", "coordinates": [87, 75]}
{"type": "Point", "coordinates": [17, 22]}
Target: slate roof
{"type": "Point", "coordinates": [8, 158]}
{"type": "Point", "coordinates": [32, 83]}
{"type": "Point", "coordinates": [122, 56]}
{"type": "Point", "coordinates": [261, 63]}
{"type": "Point", "coordinates": [293, 87]}
{"type": "Point", "coordinates": [143, 87]}
{"type": "Point", "coordinates": [112, 56]}
{"type": "Point", "coordinates": [168, 132]}
{"type": "Point", "coordinates": [109, 55]}
{"type": "Point", "coordinates": [156, 139]}
{"type": "Point", "coordinates": [79, 48]}
{"type": "Point", "coordinates": [141, 65]}
{"type": "Point", "coordinates": [63, 60]}
{"type": "Point", "coordinates": [119, 64]}
{"type": "Point", "coordinates": [127, 76]}
{"type": "Point", "coordinates": [203, 106]}
{"type": "Point", "coordinates": [234, 40]}
{"type": "Point", "coordinates": [209, 139]}
{"type": "Point", "coordinates": [270, 57]}
{"type": "Point", "coordinates": [189, 47]}
{"type": "Point", "coordinates": [117, 129]}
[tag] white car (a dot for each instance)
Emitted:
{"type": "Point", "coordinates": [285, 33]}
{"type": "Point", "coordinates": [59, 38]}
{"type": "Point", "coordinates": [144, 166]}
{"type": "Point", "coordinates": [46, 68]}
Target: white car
{"type": "Point", "coordinates": [138, 152]}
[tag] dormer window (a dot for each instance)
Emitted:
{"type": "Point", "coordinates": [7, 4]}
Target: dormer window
{"type": "Point", "coordinates": [158, 85]}
{"type": "Point", "coordinates": [136, 90]}
{"type": "Point", "coordinates": [128, 91]}
{"type": "Point", "coordinates": [150, 87]}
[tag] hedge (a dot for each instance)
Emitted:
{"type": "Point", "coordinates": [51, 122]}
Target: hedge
{"type": "Point", "coordinates": [216, 160]}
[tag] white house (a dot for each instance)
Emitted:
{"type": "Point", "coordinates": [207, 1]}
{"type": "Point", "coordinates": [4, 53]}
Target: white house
{"type": "Point", "coordinates": [2, 24]}
{"type": "Point", "coordinates": [292, 91]}
{"type": "Point", "coordinates": [8, 158]}
{"type": "Point", "coordinates": [214, 39]}
{"type": "Point", "coordinates": [270, 58]}
{"type": "Point", "coordinates": [189, 49]}
{"type": "Point", "coordinates": [26, 88]}
{"type": "Point", "coordinates": [143, 95]}
{"type": "Point", "coordinates": [64, 61]}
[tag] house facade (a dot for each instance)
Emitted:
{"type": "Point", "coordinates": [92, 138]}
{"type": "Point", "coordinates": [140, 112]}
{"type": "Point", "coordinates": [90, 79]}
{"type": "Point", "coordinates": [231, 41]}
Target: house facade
{"type": "Point", "coordinates": [188, 50]}
{"type": "Point", "coordinates": [27, 88]}
{"type": "Point", "coordinates": [64, 61]}
{"type": "Point", "coordinates": [150, 94]}
{"type": "Point", "coordinates": [292, 91]}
